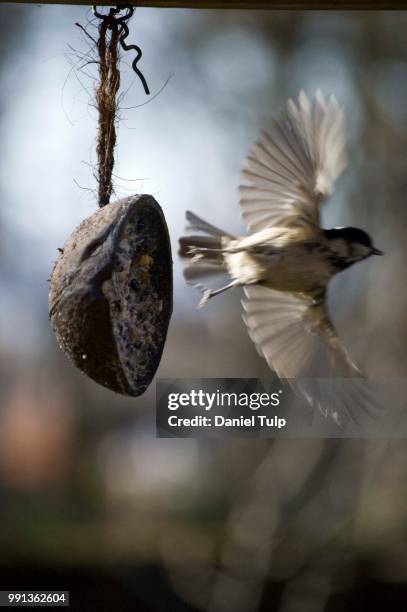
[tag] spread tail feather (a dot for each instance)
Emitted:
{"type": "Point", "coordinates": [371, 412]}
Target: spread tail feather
{"type": "Point", "coordinates": [197, 223]}
{"type": "Point", "coordinates": [203, 252]}
{"type": "Point", "coordinates": [190, 246]}
{"type": "Point", "coordinates": [205, 249]}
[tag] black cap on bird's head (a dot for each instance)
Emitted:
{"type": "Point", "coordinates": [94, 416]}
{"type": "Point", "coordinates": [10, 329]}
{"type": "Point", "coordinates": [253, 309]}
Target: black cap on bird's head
{"type": "Point", "coordinates": [353, 236]}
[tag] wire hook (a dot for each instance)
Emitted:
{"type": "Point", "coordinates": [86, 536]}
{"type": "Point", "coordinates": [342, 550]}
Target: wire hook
{"type": "Point", "coordinates": [114, 18]}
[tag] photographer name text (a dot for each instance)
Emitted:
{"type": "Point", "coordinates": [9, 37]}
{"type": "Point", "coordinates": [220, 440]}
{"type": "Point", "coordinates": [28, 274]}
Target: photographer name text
{"type": "Point", "coordinates": [256, 420]}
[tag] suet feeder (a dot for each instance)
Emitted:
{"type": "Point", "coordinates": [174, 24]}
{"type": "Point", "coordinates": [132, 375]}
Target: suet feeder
{"type": "Point", "coordinates": [111, 294]}
{"type": "Point", "coordinates": [110, 298]}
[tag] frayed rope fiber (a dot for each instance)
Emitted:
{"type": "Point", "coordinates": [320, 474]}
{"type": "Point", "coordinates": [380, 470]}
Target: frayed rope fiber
{"type": "Point", "coordinates": [106, 97]}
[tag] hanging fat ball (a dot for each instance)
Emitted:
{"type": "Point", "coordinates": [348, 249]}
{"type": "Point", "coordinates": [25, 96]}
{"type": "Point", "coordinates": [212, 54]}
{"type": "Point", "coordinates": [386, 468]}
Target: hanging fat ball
{"type": "Point", "coordinates": [110, 298]}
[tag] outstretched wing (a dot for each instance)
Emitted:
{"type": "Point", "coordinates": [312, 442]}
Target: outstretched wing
{"type": "Point", "coordinates": [292, 168]}
{"type": "Point", "coordinates": [295, 334]}
{"type": "Point", "coordinates": [299, 342]}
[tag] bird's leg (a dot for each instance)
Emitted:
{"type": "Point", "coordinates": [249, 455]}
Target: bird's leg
{"type": "Point", "coordinates": [207, 294]}
{"type": "Point", "coordinates": [196, 250]}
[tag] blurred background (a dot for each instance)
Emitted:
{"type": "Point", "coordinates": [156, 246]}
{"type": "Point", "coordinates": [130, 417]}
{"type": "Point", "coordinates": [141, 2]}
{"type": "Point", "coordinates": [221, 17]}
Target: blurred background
{"type": "Point", "coordinates": [91, 501]}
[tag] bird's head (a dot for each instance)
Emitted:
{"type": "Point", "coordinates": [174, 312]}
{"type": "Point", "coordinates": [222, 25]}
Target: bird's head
{"type": "Point", "coordinates": [351, 244]}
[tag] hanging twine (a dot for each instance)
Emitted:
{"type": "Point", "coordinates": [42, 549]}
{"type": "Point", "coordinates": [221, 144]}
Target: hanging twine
{"type": "Point", "coordinates": [106, 98]}
{"type": "Point", "coordinates": [112, 32]}
{"type": "Point", "coordinates": [110, 298]}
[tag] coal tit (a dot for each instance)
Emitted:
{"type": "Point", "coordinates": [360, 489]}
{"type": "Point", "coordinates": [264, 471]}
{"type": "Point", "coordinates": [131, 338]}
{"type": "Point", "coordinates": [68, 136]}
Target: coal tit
{"type": "Point", "coordinates": [286, 261]}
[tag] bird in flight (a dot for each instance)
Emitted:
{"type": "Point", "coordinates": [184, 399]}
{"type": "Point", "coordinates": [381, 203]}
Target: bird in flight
{"type": "Point", "coordinates": [287, 259]}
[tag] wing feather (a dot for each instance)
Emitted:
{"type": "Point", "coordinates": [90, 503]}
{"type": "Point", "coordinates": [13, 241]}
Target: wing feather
{"type": "Point", "coordinates": [299, 342]}
{"type": "Point", "coordinates": [290, 170]}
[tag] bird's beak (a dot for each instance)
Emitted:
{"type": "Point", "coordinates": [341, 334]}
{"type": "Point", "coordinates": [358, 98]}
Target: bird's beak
{"type": "Point", "coordinates": [377, 252]}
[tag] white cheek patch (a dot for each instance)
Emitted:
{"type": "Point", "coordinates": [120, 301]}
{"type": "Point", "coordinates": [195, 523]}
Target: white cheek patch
{"type": "Point", "coordinates": [358, 251]}
{"type": "Point", "coordinates": [341, 248]}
